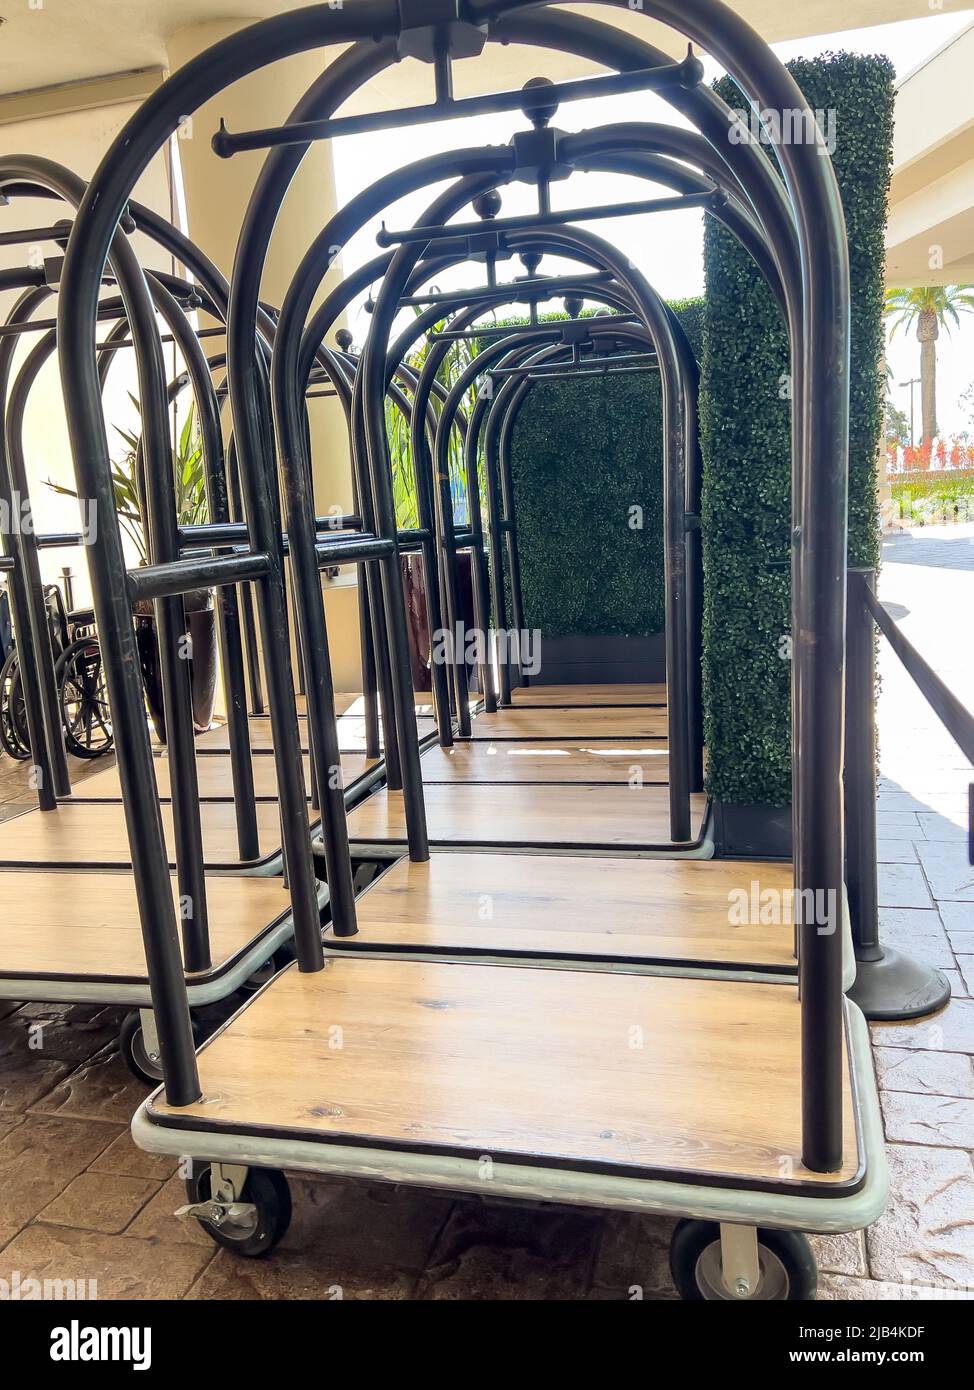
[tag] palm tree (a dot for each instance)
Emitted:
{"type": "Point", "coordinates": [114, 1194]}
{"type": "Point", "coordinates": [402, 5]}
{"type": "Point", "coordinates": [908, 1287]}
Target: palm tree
{"type": "Point", "coordinates": [929, 307]}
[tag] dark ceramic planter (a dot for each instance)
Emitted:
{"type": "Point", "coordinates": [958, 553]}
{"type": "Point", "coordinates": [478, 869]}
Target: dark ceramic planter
{"type": "Point", "coordinates": [752, 831]}
{"type": "Point", "coordinates": [201, 625]}
{"type": "Point", "coordinates": [601, 660]}
{"type": "Point", "coordinates": [414, 584]}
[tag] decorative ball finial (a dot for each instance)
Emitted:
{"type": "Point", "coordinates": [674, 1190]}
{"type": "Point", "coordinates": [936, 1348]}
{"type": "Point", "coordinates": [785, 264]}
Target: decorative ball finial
{"type": "Point", "coordinates": [539, 114]}
{"type": "Point", "coordinates": [573, 305]}
{"type": "Point", "coordinates": [344, 340]}
{"type": "Point", "coordinates": [487, 205]}
{"type": "Point", "coordinates": [693, 70]}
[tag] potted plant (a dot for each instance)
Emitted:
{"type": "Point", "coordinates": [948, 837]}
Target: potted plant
{"type": "Point", "coordinates": [189, 490]}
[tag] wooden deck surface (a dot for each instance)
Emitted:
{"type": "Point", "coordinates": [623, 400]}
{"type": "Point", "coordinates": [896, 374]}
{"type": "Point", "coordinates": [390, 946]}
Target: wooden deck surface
{"type": "Point", "coordinates": [351, 734]}
{"type": "Point", "coordinates": [215, 779]}
{"type": "Point", "coordinates": [615, 722]}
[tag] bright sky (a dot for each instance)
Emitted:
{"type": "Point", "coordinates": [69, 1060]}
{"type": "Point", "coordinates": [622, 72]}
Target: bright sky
{"type": "Point", "coordinates": [667, 247]}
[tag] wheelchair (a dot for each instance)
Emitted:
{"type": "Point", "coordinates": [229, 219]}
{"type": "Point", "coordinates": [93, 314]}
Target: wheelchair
{"type": "Point", "coordinates": [81, 686]}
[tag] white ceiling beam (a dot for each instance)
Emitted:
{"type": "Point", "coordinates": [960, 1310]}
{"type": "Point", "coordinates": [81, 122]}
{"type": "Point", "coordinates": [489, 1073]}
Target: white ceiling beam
{"type": "Point", "coordinates": [67, 98]}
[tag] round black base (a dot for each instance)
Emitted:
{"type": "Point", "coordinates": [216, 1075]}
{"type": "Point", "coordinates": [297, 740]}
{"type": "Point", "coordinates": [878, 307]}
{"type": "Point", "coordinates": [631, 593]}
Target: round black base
{"type": "Point", "coordinates": [897, 987]}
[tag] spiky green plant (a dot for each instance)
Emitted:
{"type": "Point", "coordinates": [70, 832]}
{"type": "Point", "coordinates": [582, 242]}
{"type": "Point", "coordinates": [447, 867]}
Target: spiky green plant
{"type": "Point", "coordinates": [188, 476]}
{"type": "Point", "coordinates": [456, 360]}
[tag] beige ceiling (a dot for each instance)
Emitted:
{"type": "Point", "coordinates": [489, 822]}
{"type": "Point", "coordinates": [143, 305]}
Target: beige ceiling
{"type": "Point", "coordinates": [72, 40]}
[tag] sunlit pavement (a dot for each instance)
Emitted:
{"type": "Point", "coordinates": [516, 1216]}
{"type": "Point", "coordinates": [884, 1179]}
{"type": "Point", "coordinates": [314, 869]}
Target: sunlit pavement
{"type": "Point", "coordinates": [927, 909]}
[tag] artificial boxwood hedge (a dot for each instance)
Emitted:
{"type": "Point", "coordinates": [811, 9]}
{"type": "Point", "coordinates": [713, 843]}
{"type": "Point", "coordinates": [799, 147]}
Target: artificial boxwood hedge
{"type": "Point", "coordinates": [747, 446]}
{"type": "Point", "coordinates": [583, 454]}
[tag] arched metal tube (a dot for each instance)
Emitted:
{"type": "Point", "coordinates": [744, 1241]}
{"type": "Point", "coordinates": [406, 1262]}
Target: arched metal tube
{"type": "Point", "coordinates": [499, 413]}
{"type": "Point", "coordinates": [423, 462]}
{"type": "Point", "coordinates": [688, 372]}
{"type": "Point", "coordinates": [419, 449]}
{"type": "Point", "coordinates": [213, 291]}
{"type": "Point", "coordinates": [228, 625]}
{"type": "Point", "coordinates": [820, 487]}
{"type": "Point", "coordinates": [198, 375]}
{"type": "Point", "coordinates": [35, 657]}
{"type": "Point", "coordinates": [143, 816]}
{"type": "Point", "coordinates": [307, 105]}
{"type": "Point", "coordinates": [198, 936]}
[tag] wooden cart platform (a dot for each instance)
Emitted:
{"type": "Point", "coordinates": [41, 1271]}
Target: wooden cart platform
{"type": "Point", "coordinates": [651, 1076]}
{"type": "Point", "coordinates": [85, 927]}
{"type": "Point", "coordinates": [565, 695]}
{"type": "Point", "coordinates": [567, 816]}
{"type": "Point", "coordinates": [686, 912]}
{"type": "Point", "coordinates": [593, 722]}
{"type": "Point", "coordinates": [553, 760]}
{"type": "Point", "coordinates": [93, 835]}
{"type": "Point", "coordinates": [351, 734]}
{"type": "Point", "coordinates": [215, 779]}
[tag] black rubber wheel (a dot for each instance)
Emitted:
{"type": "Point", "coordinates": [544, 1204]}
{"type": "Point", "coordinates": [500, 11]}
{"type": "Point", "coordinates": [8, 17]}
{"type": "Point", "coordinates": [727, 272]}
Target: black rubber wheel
{"type": "Point", "coordinates": [267, 1190]}
{"type": "Point", "coordinates": [785, 1258]}
{"type": "Point", "coordinates": [83, 696]}
{"type": "Point", "coordinates": [13, 712]}
{"type": "Point", "coordinates": [282, 957]}
{"type": "Point", "coordinates": [131, 1044]}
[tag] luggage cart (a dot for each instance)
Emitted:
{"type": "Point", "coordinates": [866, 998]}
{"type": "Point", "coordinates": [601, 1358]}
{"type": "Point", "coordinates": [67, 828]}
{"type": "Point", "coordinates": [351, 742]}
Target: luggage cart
{"type": "Point", "coordinates": [502, 815]}
{"type": "Point", "coordinates": [750, 1112]}
{"type": "Point", "coordinates": [71, 931]}
{"type": "Point", "coordinates": [379, 822]}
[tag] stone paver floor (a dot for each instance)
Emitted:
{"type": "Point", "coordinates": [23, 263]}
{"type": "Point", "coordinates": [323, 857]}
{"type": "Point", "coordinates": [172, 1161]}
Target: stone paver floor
{"type": "Point", "coordinates": [78, 1200]}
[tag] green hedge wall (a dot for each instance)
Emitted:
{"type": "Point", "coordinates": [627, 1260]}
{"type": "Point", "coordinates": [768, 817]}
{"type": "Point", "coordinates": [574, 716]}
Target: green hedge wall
{"type": "Point", "coordinates": [746, 440]}
{"type": "Point", "coordinates": [584, 453]}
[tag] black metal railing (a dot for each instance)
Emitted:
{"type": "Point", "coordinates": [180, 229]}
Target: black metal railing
{"type": "Point", "coordinates": [889, 984]}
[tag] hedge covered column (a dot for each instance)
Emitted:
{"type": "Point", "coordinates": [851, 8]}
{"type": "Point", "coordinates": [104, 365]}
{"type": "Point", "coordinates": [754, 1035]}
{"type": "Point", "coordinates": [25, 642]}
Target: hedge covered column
{"type": "Point", "coordinates": [584, 454]}
{"type": "Point", "coordinates": [746, 433]}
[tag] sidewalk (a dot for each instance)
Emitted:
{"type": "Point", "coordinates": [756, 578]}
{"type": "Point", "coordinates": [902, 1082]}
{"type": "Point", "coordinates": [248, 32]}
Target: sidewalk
{"type": "Point", "coordinates": [926, 1237]}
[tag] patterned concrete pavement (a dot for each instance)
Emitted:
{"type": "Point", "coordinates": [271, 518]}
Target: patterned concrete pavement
{"type": "Point", "coordinates": [77, 1200]}
{"type": "Point", "coordinates": [925, 1071]}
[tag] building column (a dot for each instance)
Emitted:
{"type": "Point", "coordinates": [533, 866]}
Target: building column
{"type": "Point", "coordinates": [217, 192]}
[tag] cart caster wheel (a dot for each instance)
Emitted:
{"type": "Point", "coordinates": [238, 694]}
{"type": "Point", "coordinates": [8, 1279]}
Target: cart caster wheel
{"type": "Point", "coordinates": [787, 1265]}
{"type": "Point", "coordinates": [143, 1065]}
{"type": "Point", "coordinates": [283, 956]}
{"type": "Point", "coordinates": [264, 1216]}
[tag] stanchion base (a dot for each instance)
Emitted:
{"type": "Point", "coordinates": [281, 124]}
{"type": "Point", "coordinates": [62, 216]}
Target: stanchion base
{"type": "Point", "coordinates": [897, 987]}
